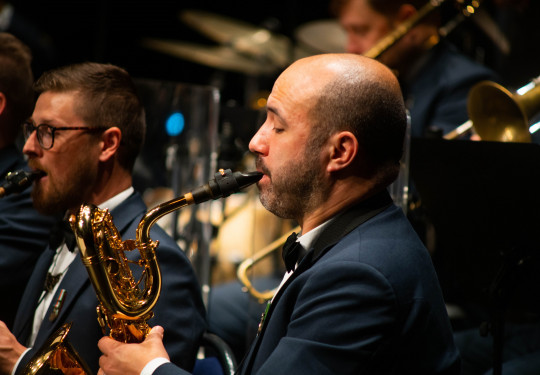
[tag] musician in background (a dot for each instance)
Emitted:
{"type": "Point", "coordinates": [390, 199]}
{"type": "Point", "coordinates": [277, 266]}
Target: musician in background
{"type": "Point", "coordinates": [85, 132]}
{"type": "Point", "coordinates": [24, 233]}
{"type": "Point", "coordinates": [435, 77]}
{"type": "Point", "coordinates": [360, 295]}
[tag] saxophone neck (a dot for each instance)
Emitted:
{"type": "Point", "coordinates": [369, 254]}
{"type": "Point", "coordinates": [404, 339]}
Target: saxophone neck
{"type": "Point", "coordinates": [143, 229]}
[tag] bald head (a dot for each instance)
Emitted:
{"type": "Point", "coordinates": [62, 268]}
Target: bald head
{"type": "Point", "coordinates": [353, 93]}
{"type": "Point", "coordinates": [346, 65]}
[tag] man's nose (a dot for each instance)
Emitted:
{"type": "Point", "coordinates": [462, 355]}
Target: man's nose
{"type": "Point", "coordinates": [258, 143]}
{"type": "Point", "coordinates": [31, 146]}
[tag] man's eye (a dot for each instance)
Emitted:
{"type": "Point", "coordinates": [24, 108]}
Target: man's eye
{"type": "Point", "coordinates": [278, 130]}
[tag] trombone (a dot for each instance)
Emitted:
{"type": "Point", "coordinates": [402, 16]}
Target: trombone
{"type": "Point", "coordinates": [393, 37]}
{"type": "Point", "coordinates": [250, 262]}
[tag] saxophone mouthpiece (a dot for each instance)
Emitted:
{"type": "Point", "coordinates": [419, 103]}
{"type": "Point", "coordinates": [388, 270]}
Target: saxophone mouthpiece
{"type": "Point", "coordinates": [16, 182]}
{"type": "Point", "coordinates": [225, 183]}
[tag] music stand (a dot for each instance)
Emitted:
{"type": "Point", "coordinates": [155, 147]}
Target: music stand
{"type": "Point", "coordinates": [483, 199]}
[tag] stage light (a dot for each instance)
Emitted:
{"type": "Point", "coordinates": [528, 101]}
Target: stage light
{"type": "Point", "coordinates": [175, 124]}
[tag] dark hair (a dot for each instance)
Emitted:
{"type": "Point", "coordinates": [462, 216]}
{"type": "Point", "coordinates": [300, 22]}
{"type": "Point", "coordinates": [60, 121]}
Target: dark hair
{"type": "Point", "coordinates": [106, 97]}
{"type": "Point", "coordinates": [370, 109]}
{"type": "Point", "coordinates": [16, 80]}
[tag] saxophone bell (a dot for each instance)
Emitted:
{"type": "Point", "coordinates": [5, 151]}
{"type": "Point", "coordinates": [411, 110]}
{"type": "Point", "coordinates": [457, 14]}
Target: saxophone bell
{"type": "Point", "coordinates": [57, 356]}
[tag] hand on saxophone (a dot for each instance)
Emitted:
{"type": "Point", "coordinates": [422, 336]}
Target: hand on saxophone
{"type": "Point", "coordinates": [129, 359]}
{"type": "Point", "coordinates": [10, 350]}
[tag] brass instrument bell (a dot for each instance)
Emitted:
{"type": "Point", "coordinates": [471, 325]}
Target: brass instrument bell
{"type": "Point", "coordinates": [57, 355]}
{"type": "Point", "coordinates": [499, 115]}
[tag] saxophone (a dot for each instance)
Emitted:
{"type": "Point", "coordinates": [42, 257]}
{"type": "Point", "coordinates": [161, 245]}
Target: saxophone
{"type": "Point", "coordinates": [125, 301]}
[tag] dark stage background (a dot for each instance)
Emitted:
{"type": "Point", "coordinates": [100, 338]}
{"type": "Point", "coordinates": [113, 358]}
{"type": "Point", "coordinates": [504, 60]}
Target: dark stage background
{"type": "Point", "coordinates": [112, 30]}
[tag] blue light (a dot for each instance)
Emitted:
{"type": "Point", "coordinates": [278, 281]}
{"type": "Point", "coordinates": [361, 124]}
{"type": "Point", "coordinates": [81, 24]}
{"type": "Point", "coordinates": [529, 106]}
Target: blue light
{"type": "Point", "coordinates": [175, 124]}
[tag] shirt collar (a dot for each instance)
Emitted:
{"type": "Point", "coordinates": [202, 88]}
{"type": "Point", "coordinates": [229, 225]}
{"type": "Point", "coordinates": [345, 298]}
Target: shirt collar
{"type": "Point", "coordinates": [113, 202]}
{"type": "Point", "coordinates": [308, 239]}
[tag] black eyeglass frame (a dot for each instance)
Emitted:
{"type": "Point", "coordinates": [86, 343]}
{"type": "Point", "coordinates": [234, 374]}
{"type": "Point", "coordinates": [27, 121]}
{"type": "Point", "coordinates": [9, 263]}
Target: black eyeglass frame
{"type": "Point", "coordinates": [53, 129]}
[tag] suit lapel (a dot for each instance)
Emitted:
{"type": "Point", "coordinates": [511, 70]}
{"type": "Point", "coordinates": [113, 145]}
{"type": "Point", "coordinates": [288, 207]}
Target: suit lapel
{"type": "Point", "coordinates": [127, 212]}
{"type": "Point", "coordinates": [65, 297]}
{"type": "Point", "coordinates": [22, 326]}
{"type": "Point", "coordinates": [335, 231]}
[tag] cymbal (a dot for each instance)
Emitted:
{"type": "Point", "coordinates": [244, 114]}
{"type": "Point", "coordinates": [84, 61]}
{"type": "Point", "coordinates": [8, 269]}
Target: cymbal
{"type": "Point", "coordinates": [323, 36]}
{"type": "Point", "coordinates": [220, 57]}
{"type": "Point", "coordinates": [241, 36]}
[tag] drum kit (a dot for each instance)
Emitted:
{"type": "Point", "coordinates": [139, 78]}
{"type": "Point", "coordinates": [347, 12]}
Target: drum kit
{"type": "Point", "coordinates": [245, 48]}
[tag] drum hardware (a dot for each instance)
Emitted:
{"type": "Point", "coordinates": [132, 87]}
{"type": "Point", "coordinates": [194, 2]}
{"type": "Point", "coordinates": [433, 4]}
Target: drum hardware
{"type": "Point", "coordinates": [244, 38]}
{"type": "Point", "coordinates": [219, 57]}
{"type": "Point", "coordinates": [498, 115]}
{"type": "Point", "coordinates": [322, 36]}
{"type": "Point", "coordinates": [243, 48]}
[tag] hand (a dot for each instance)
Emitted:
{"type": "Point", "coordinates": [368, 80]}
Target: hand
{"type": "Point", "coordinates": [129, 359]}
{"type": "Point", "coordinates": [10, 349]}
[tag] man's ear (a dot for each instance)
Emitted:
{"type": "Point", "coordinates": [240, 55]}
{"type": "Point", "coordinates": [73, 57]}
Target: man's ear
{"type": "Point", "coordinates": [110, 142]}
{"type": "Point", "coordinates": [343, 150]}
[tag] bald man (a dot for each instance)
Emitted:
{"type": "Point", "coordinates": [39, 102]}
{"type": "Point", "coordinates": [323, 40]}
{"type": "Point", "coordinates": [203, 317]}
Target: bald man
{"type": "Point", "coordinates": [360, 295]}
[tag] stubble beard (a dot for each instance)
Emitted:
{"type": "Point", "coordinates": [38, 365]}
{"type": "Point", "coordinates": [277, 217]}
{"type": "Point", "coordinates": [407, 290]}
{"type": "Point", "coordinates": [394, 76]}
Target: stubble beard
{"type": "Point", "coordinates": [294, 190]}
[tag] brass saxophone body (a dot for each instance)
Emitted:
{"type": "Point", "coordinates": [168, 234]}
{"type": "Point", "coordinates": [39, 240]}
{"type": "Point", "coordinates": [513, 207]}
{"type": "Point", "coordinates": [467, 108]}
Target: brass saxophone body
{"type": "Point", "coordinates": [125, 301]}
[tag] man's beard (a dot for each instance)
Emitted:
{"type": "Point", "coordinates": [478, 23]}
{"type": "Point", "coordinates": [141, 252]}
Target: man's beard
{"type": "Point", "coordinates": [63, 195]}
{"type": "Point", "coordinates": [294, 190]}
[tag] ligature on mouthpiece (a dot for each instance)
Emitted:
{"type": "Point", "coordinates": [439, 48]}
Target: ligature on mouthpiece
{"type": "Point", "coordinates": [225, 183]}
{"type": "Point", "coordinates": [16, 182]}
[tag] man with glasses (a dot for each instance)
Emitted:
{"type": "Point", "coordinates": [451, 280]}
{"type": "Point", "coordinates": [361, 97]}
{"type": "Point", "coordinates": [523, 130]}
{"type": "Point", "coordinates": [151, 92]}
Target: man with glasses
{"type": "Point", "coordinates": [45, 133]}
{"type": "Point", "coordinates": [84, 135]}
{"type": "Point", "coordinates": [24, 232]}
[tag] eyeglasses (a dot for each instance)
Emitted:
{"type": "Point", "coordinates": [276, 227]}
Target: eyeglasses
{"type": "Point", "coordinates": [45, 133]}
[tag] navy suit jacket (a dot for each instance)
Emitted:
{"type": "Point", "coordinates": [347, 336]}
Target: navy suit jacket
{"type": "Point", "coordinates": [179, 309]}
{"type": "Point", "coordinates": [437, 94]}
{"type": "Point", "coordinates": [24, 234]}
{"type": "Point", "coordinates": [370, 304]}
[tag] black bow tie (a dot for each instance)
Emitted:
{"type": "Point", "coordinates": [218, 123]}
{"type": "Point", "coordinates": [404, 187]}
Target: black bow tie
{"type": "Point", "coordinates": [62, 231]}
{"type": "Point", "coordinates": [292, 252]}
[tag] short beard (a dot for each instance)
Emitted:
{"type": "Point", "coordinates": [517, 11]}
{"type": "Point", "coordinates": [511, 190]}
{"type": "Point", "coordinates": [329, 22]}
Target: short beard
{"type": "Point", "coordinates": [295, 189]}
{"type": "Point", "coordinates": [62, 196]}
